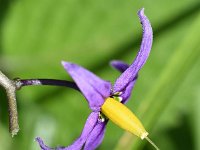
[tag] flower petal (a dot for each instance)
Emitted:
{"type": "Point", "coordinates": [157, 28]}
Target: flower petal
{"type": "Point", "coordinates": [93, 88]}
{"type": "Point", "coordinates": [96, 136]}
{"type": "Point", "coordinates": [78, 144]}
{"type": "Point", "coordinates": [119, 65]}
{"type": "Point", "coordinates": [127, 91]}
{"type": "Point", "coordinates": [145, 48]}
{"type": "Point", "coordinates": [122, 66]}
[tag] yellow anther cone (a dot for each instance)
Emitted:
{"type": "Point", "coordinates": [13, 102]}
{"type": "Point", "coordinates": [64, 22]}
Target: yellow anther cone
{"type": "Point", "coordinates": [123, 117]}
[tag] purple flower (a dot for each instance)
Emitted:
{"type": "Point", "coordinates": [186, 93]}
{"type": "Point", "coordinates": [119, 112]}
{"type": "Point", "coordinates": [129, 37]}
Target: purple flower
{"type": "Point", "coordinates": [102, 97]}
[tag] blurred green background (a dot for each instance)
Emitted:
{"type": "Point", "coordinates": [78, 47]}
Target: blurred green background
{"type": "Point", "coordinates": [35, 35]}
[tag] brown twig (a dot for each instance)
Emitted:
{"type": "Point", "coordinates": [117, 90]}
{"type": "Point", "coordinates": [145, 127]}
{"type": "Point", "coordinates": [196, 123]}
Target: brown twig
{"type": "Point", "coordinates": [10, 88]}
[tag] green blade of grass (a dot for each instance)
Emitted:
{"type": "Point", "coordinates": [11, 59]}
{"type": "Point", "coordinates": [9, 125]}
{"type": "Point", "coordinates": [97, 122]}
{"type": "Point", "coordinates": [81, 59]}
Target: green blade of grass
{"type": "Point", "coordinates": [196, 117]}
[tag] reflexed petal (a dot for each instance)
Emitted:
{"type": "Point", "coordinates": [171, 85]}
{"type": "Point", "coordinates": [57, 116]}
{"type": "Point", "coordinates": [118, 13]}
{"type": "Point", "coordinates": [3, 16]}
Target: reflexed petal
{"type": "Point", "coordinates": [119, 65]}
{"type": "Point", "coordinates": [126, 93]}
{"type": "Point", "coordinates": [130, 73]}
{"type": "Point", "coordinates": [78, 144]}
{"type": "Point", "coordinates": [122, 66]}
{"type": "Point", "coordinates": [93, 88]}
{"type": "Point", "coordinates": [96, 136]}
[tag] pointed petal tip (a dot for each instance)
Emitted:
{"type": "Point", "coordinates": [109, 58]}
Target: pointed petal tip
{"type": "Point", "coordinates": [113, 62]}
{"type": "Point", "coordinates": [119, 65]}
{"type": "Point", "coordinates": [68, 65]}
{"type": "Point", "coordinates": [65, 63]}
{"type": "Point", "coordinates": [41, 143]}
{"type": "Point", "coordinates": [141, 12]}
{"type": "Point", "coordinates": [39, 140]}
{"type": "Point", "coordinates": [130, 73]}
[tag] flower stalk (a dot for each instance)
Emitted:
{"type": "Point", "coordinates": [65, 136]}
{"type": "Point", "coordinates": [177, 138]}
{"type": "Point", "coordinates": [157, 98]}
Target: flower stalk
{"type": "Point", "coordinates": [50, 82]}
{"type": "Point", "coordinates": [11, 86]}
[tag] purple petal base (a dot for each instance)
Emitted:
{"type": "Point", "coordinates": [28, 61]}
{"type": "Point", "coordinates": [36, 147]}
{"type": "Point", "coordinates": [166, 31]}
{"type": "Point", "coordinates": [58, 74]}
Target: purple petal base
{"type": "Point", "coordinates": [93, 88]}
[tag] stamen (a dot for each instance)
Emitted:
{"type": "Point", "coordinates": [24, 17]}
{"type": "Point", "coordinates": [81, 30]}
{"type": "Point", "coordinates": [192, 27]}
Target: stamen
{"type": "Point", "coordinates": [102, 117]}
{"type": "Point", "coordinates": [123, 117]}
{"type": "Point", "coordinates": [152, 143]}
{"type": "Point", "coordinates": [117, 93]}
{"type": "Point", "coordinates": [118, 98]}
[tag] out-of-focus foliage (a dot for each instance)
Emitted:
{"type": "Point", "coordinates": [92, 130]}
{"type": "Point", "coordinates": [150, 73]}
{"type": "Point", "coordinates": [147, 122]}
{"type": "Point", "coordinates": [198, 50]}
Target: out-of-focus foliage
{"type": "Point", "coordinates": [35, 35]}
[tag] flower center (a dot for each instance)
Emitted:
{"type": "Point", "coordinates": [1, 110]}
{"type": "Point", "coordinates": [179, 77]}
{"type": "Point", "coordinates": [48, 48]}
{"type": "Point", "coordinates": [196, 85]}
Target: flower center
{"type": "Point", "coordinates": [123, 117]}
{"type": "Point", "coordinates": [117, 96]}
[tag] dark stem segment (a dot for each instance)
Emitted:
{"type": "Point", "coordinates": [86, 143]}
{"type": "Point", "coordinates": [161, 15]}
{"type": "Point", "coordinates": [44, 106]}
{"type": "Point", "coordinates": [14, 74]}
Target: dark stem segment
{"type": "Point", "coordinates": [53, 82]}
{"type": "Point", "coordinates": [12, 85]}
